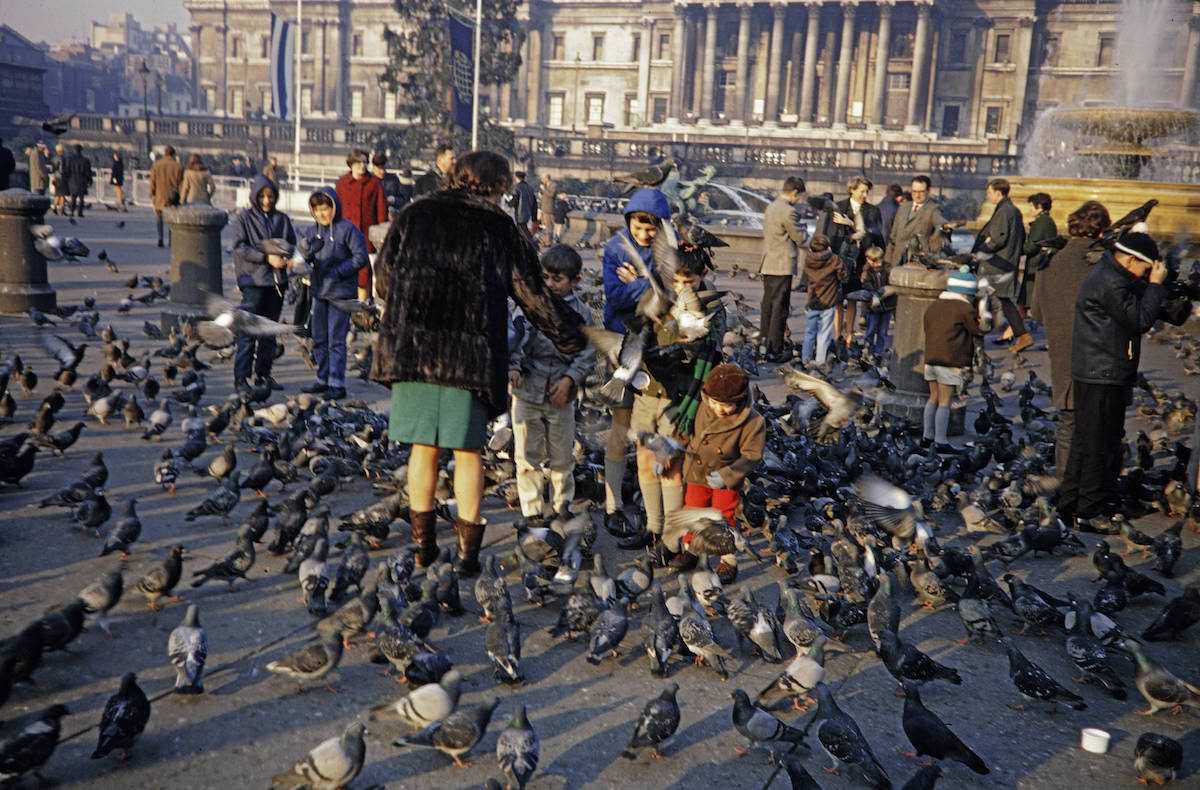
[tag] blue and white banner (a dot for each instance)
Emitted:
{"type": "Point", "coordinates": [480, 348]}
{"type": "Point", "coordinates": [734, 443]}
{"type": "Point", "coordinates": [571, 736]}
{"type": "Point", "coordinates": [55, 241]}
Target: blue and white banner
{"type": "Point", "coordinates": [283, 68]}
{"type": "Point", "coordinates": [462, 60]}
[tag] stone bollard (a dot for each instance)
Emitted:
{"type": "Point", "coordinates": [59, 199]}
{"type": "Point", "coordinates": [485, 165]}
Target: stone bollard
{"type": "Point", "coordinates": [23, 281]}
{"type": "Point", "coordinates": [916, 289]}
{"type": "Point", "coordinates": [195, 259]}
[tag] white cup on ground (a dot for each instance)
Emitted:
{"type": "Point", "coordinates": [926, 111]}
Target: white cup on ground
{"type": "Point", "coordinates": [1094, 740]}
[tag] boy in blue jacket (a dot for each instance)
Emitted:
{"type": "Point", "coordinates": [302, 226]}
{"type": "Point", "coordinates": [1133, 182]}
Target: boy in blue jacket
{"type": "Point", "coordinates": [261, 278]}
{"type": "Point", "coordinates": [645, 212]}
{"type": "Point", "coordinates": [342, 253]}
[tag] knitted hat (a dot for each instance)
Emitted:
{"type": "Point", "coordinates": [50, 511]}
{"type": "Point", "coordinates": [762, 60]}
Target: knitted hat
{"type": "Point", "coordinates": [727, 383]}
{"type": "Point", "coordinates": [1139, 245]}
{"type": "Point", "coordinates": [961, 282]}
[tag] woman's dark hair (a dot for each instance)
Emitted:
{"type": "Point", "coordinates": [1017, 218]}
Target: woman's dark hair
{"type": "Point", "coordinates": [1088, 221]}
{"type": "Point", "coordinates": [320, 199]}
{"type": "Point", "coordinates": [1041, 201]}
{"type": "Point", "coordinates": [195, 163]}
{"type": "Point", "coordinates": [894, 191]}
{"type": "Point", "coordinates": [379, 160]}
{"type": "Point", "coordinates": [562, 260]}
{"type": "Point", "coordinates": [481, 173]}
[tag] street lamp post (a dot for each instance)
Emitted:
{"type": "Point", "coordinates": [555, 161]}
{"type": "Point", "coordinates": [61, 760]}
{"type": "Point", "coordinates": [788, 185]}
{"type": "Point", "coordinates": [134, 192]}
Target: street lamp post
{"type": "Point", "coordinates": [145, 72]}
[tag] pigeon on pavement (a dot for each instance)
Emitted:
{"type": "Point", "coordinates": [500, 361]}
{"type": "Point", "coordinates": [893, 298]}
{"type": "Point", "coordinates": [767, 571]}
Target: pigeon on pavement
{"type": "Point", "coordinates": [658, 722]}
{"type": "Point", "coordinates": [518, 749]}
{"type": "Point", "coordinates": [333, 764]}
{"type": "Point", "coordinates": [457, 734]}
{"type": "Point", "coordinates": [125, 716]}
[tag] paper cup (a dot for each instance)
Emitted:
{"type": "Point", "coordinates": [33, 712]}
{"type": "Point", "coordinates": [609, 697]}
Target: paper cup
{"type": "Point", "coordinates": [1093, 740]}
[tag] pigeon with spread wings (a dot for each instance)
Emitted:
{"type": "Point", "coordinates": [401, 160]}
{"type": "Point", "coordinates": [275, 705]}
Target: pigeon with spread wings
{"type": "Point", "coordinates": [231, 320]}
{"type": "Point", "coordinates": [840, 407]}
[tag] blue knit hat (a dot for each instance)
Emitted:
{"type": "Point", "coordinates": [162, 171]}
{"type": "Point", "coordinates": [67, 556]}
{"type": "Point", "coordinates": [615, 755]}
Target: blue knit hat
{"type": "Point", "coordinates": [961, 282]}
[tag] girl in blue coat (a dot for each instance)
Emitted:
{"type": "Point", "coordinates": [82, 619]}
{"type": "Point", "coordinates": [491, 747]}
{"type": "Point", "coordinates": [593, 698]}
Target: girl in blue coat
{"type": "Point", "coordinates": [342, 253]}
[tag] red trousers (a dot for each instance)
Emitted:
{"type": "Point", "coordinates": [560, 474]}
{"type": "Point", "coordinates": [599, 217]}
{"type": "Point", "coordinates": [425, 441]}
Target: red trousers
{"type": "Point", "coordinates": [723, 499]}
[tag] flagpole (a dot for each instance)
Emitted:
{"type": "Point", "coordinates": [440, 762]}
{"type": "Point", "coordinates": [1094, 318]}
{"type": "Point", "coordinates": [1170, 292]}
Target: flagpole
{"type": "Point", "coordinates": [297, 43]}
{"type": "Point", "coordinates": [475, 85]}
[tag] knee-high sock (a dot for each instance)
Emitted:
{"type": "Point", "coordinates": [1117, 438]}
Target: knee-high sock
{"type": "Point", "coordinates": [672, 497]}
{"type": "Point", "coordinates": [941, 421]}
{"type": "Point", "coordinates": [930, 411]}
{"type": "Point", "coordinates": [652, 496]}
{"type": "Point", "coordinates": [614, 476]}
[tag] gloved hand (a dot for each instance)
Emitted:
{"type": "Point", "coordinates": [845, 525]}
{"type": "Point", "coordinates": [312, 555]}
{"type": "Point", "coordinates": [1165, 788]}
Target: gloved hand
{"type": "Point", "coordinates": [714, 480]}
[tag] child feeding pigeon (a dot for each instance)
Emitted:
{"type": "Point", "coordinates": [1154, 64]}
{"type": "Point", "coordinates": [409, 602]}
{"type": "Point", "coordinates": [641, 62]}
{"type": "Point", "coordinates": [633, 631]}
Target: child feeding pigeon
{"type": "Point", "coordinates": [951, 326]}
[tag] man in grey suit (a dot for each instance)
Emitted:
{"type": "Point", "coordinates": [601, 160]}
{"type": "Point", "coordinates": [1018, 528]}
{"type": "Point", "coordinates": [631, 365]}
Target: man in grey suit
{"type": "Point", "coordinates": [782, 239]}
{"type": "Point", "coordinates": [918, 225]}
{"type": "Point", "coordinates": [1003, 238]}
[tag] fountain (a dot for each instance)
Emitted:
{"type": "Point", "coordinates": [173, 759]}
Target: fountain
{"type": "Point", "coordinates": [1129, 148]}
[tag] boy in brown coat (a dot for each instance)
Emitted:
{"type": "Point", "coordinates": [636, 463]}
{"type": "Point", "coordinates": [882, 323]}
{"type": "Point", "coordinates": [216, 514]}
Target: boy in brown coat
{"type": "Point", "coordinates": [726, 445]}
{"type": "Point", "coordinates": [825, 272]}
{"type": "Point", "coordinates": [951, 327]}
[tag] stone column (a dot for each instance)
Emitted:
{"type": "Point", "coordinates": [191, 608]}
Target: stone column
{"type": "Point", "coordinates": [696, 67]}
{"type": "Point", "coordinates": [320, 73]}
{"type": "Point", "coordinates": [775, 64]}
{"type": "Point", "coordinates": [916, 289]}
{"type": "Point", "coordinates": [842, 97]}
{"type": "Point", "coordinates": [644, 69]}
{"type": "Point", "coordinates": [506, 101]}
{"type": "Point", "coordinates": [1022, 55]}
{"type": "Point", "coordinates": [1187, 91]}
{"type": "Point", "coordinates": [882, 51]}
{"type": "Point", "coordinates": [807, 85]}
{"type": "Point", "coordinates": [920, 51]}
{"type": "Point", "coordinates": [23, 281]}
{"type": "Point", "coordinates": [742, 76]}
{"type": "Point", "coordinates": [678, 63]}
{"type": "Point", "coordinates": [195, 31]}
{"type": "Point", "coordinates": [195, 252]}
{"type": "Point", "coordinates": [709, 69]}
{"type": "Point", "coordinates": [223, 93]}
{"type": "Point", "coordinates": [792, 102]}
{"type": "Point", "coordinates": [533, 99]}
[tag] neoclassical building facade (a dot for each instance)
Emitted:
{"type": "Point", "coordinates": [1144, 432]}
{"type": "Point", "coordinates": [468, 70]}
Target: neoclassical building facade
{"type": "Point", "coordinates": [969, 73]}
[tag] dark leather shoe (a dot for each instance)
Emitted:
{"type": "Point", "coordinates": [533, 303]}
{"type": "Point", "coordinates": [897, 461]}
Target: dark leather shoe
{"type": "Point", "coordinates": [316, 388]}
{"type": "Point", "coordinates": [335, 393]}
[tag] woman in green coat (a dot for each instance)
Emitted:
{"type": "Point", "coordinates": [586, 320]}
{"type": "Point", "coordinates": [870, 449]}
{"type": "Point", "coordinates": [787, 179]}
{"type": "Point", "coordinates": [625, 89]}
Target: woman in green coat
{"type": "Point", "coordinates": [1041, 228]}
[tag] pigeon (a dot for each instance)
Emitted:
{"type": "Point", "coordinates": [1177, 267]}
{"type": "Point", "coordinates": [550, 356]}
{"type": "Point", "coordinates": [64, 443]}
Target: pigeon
{"type": "Point", "coordinates": [1160, 687]}
{"type": "Point", "coordinates": [351, 568]}
{"type": "Point", "coordinates": [839, 407]}
{"type": "Point", "coordinates": [1180, 614]}
{"type": "Point", "coordinates": [353, 617]}
{"type": "Point", "coordinates": [518, 749]}
{"type": "Point", "coordinates": [221, 501]}
{"type": "Point", "coordinates": [231, 567]}
{"type": "Point", "coordinates": [907, 664]}
{"type": "Point", "coordinates": [425, 705]}
{"type": "Point", "coordinates": [797, 774]}
{"type": "Point", "coordinates": [490, 591]}
{"type": "Point", "coordinates": [125, 716]}
{"type": "Point", "coordinates": [652, 176]}
{"type": "Point", "coordinates": [166, 471]}
{"type": "Point", "coordinates": [333, 764]}
{"type": "Point", "coordinates": [25, 649]}
{"type": "Point", "coordinates": [311, 664]}
{"type": "Point", "coordinates": [696, 633]}
{"type": "Point", "coordinates": [660, 633]}
{"type": "Point", "coordinates": [608, 631]}
{"type": "Point", "coordinates": [160, 420]}
{"type": "Point", "coordinates": [1167, 548]}
{"type": "Point", "coordinates": [503, 645]}
{"type": "Point", "coordinates": [30, 749]}
{"type": "Point", "coordinates": [658, 722]}
{"type": "Point", "coordinates": [930, 736]}
{"type": "Point", "coordinates": [758, 726]}
{"type": "Point", "coordinates": [1156, 758]}
{"type": "Point", "coordinates": [925, 778]}
{"type": "Point", "coordinates": [162, 580]}
{"type": "Point", "coordinates": [1029, 605]}
{"type": "Point", "coordinates": [60, 626]}
{"type": "Point", "coordinates": [801, 676]}
{"type": "Point", "coordinates": [59, 442]}
{"type": "Point", "coordinates": [125, 532]}
{"type": "Point", "coordinates": [101, 596]}
{"type": "Point", "coordinates": [844, 742]}
{"type": "Point", "coordinates": [1090, 655]}
{"type": "Point", "coordinates": [882, 611]}
{"type": "Point", "coordinates": [457, 734]}
{"type": "Point", "coordinates": [229, 321]}
{"type": "Point", "coordinates": [1034, 683]}
{"type": "Point", "coordinates": [187, 647]}
{"type": "Point", "coordinates": [93, 512]}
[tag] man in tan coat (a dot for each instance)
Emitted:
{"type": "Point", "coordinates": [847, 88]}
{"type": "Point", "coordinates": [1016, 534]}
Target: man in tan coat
{"type": "Point", "coordinates": [165, 176]}
{"type": "Point", "coordinates": [783, 238]}
{"type": "Point", "coordinates": [38, 170]}
{"type": "Point", "coordinates": [918, 225]}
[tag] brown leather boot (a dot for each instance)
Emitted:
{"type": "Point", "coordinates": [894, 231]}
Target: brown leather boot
{"type": "Point", "coordinates": [470, 538]}
{"type": "Point", "coordinates": [424, 534]}
{"type": "Point", "coordinates": [1021, 343]}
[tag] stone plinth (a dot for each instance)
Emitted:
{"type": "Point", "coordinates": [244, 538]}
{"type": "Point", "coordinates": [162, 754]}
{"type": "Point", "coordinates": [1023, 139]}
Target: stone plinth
{"type": "Point", "coordinates": [916, 289]}
{"type": "Point", "coordinates": [195, 259]}
{"type": "Point", "coordinates": [23, 281]}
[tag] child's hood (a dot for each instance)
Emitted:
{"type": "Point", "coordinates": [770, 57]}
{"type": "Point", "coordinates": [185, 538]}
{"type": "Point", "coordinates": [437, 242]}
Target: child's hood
{"type": "Point", "coordinates": [332, 194]}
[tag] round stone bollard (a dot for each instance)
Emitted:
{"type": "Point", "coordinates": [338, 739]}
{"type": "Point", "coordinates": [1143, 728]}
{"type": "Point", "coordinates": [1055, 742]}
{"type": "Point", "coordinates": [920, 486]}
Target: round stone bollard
{"type": "Point", "coordinates": [23, 281]}
{"type": "Point", "coordinates": [195, 259]}
{"type": "Point", "coordinates": [916, 289]}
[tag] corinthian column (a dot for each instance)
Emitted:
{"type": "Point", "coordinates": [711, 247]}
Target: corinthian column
{"type": "Point", "coordinates": [533, 99]}
{"type": "Point", "coordinates": [678, 65]}
{"type": "Point", "coordinates": [644, 69]}
{"type": "Point", "coordinates": [775, 64]}
{"type": "Point", "coordinates": [808, 83]}
{"type": "Point", "coordinates": [882, 50]}
{"type": "Point", "coordinates": [709, 69]}
{"type": "Point", "coordinates": [1187, 91]}
{"type": "Point", "coordinates": [842, 97]}
{"type": "Point", "coordinates": [919, 64]}
{"type": "Point", "coordinates": [742, 76]}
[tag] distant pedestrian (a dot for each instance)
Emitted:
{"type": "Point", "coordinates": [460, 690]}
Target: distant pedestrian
{"type": "Point", "coordinates": [363, 205]}
{"type": "Point", "coordinates": [1041, 228]}
{"type": "Point", "coordinates": [39, 169]}
{"type": "Point", "coordinates": [436, 178]}
{"type": "Point", "coordinates": [393, 191]}
{"type": "Point", "coordinates": [562, 210]}
{"type": "Point", "coordinates": [951, 327]}
{"type": "Point", "coordinates": [342, 253]}
{"type": "Point", "coordinates": [58, 186]}
{"type": "Point", "coordinates": [165, 177]}
{"type": "Point", "coordinates": [271, 170]}
{"type": "Point", "coordinates": [888, 207]}
{"type": "Point", "coordinates": [546, 191]}
{"type": "Point", "coordinates": [1003, 238]}
{"type": "Point", "coordinates": [77, 177]}
{"type": "Point", "coordinates": [526, 205]}
{"type": "Point", "coordinates": [783, 241]}
{"type": "Point", "coordinates": [8, 165]}
{"type": "Point", "coordinates": [261, 278]}
{"type": "Point", "coordinates": [117, 179]}
{"type": "Point", "coordinates": [197, 185]}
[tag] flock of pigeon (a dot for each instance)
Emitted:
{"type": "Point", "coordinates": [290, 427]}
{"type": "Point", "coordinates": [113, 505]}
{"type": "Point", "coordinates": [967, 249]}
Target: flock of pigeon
{"type": "Point", "coordinates": [850, 517]}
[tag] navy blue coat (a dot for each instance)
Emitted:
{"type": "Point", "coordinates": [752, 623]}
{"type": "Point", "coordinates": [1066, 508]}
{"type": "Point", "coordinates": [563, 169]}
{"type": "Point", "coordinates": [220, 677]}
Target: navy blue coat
{"type": "Point", "coordinates": [343, 252]}
{"type": "Point", "coordinates": [250, 226]}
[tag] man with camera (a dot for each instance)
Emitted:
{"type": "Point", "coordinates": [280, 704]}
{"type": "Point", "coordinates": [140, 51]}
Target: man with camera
{"type": "Point", "coordinates": [1115, 307]}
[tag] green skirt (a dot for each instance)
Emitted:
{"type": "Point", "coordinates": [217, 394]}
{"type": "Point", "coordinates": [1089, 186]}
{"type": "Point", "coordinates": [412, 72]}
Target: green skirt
{"type": "Point", "coordinates": [437, 416]}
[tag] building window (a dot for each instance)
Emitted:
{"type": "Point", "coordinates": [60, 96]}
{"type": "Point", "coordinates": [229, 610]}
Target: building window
{"type": "Point", "coordinates": [235, 47]}
{"type": "Point", "coordinates": [210, 98]}
{"type": "Point", "coordinates": [597, 46]}
{"type": "Point", "coordinates": [1050, 48]}
{"type": "Point", "coordinates": [664, 47]}
{"type": "Point", "coordinates": [902, 44]}
{"type": "Point", "coordinates": [1003, 53]}
{"type": "Point", "coordinates": [236, 99]}
{"type": "Point", "coordinates": [554, 109]}
{"type": "Point", "coordinates": [389, 105]}
{"type": "Point", "coordinates": [632, 111]}
{"type": "Point", "coordinates": [899, 82]}
{"type": "Point", "coordinates": [306, 100]}
{"type": "Point", "coordinates": [595, 107]}
{"type": "Point", "coordinates": [950, 120]}
{"type": "Point", "coordinates": [660, 105]}
{"type": "Point", "coordinates": [356, 44]}
{"type": "Point", "coordinates": [1108, 45]}
{"type": "Point", "coordinates": [305, 42]}
{"type": "Point", "coordinates": [636, 54]}
{"type": "Point", "coordinates": [264, 47]}
{"type": "Point", "coordinates": [558, 47]}
{"type": "Point", "coordinates": [992, 123]}
{"type": "Point", "coordinates": [957, 50]}
{"type": "Point", "coordinates": [356, 103]}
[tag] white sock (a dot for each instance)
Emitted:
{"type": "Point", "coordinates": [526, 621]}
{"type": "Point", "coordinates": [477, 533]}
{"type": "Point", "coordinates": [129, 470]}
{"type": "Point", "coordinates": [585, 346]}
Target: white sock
{"type": "Point", "coordinates": [941, 422]}
{"type": "Point", "coordinates": [672, 497]}
{"type": "Point", "coordinates": [652, 497]}
{"type": "Point", "coordinates": [614, 475]}
{"type": "Point", "coordinates": [930, 411]}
